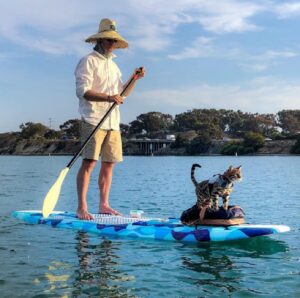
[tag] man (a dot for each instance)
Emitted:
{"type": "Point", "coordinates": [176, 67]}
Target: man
{"type": "Point", "coordinates": [98, 86]}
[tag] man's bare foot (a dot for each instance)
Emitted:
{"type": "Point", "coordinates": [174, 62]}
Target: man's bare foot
{"type": "Point", "coordinates": [84, 214]}
{"type": "Point", "coordinates": [109, 210]}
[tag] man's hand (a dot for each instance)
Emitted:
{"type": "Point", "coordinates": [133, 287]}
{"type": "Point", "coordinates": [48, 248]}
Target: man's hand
{"type": "Point", "coordinates": [117, 98]}
{"type": "Point", "coordinates": [139, 72]}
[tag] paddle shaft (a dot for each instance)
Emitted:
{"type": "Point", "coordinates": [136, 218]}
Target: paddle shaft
{"type": "Point", "coordinates": [132, 80]}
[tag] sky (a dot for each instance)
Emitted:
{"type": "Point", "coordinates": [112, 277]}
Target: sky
{"type": "Point", "coordinates": [198, 54]}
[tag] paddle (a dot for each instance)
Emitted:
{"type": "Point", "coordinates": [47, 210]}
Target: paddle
{"type": "Point", "coordinates": [53, 193]}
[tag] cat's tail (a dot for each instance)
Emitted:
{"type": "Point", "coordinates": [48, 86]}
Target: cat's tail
{"type": "Point", "coordinates": [194, 166]}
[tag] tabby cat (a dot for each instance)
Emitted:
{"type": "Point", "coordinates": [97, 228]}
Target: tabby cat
{"type": "Point", "coordinates": [220, 185]}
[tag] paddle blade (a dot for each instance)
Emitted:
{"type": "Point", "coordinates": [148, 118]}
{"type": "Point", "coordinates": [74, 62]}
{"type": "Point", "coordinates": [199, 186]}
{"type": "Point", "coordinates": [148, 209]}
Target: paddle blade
{"type": "Point", "coordinates": [53, 194]}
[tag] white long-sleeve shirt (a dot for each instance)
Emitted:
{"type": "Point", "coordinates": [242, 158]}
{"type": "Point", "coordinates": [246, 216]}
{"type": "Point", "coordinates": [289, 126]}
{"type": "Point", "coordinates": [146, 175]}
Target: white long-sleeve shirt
{"type": "Point", "coordinates": [98, 73]}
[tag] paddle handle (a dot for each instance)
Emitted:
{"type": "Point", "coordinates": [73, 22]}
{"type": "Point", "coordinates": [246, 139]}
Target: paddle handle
{"type": "Point", "coordinates": [131, 81]}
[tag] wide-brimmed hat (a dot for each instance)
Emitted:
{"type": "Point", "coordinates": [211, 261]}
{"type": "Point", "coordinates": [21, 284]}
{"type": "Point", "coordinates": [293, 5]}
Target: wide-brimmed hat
{"type": "Point", "coordinates": [108, 30]}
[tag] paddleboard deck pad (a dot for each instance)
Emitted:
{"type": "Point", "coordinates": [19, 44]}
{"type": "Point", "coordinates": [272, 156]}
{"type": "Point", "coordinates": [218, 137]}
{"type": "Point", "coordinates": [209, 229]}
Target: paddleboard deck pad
{"type": "Point", "coordinates": [148, 228]}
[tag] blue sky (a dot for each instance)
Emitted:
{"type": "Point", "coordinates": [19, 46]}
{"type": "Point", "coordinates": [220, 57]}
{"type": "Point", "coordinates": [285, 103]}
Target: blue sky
{"type": "Point", "coordinates": [230, 54]}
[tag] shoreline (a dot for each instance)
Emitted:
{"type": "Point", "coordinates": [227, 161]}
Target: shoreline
{"type": "Point", "coordinates": [14, 147]}
{"type": "Point", "coordinates": [158, 155]}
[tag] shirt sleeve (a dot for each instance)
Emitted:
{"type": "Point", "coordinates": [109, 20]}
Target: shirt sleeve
{"type": "Point", "coordinates": [84, 76]}
{"type": "Point", "coordinates": [120, 82]}
{"type": "Point", "coordinates": [120, 86]}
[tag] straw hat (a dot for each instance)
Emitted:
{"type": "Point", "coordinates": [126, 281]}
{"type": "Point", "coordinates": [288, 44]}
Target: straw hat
{"type": "Point", "coordinates": [107, 29]}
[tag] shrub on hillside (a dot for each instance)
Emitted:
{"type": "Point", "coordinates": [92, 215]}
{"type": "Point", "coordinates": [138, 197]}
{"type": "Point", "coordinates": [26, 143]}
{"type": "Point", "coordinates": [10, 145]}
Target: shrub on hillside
{"type": "Point", "coordinates": [254, 140]}
{"type": "Point", "coordinates": [251, 143]}
{"type": "Point", "coordinates": [30, 130]}
{"type": "Point", "coordinates": [199, 144]}
{"type": "Point", "coordinates": [296, 148]}
{"type": "Point", "coordinates": [232, 148]}
{"type": "Point", "coordinates": [180, 142]}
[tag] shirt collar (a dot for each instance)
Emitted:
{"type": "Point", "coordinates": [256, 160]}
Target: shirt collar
{"type": "Point", "coordinates": [111, 56]}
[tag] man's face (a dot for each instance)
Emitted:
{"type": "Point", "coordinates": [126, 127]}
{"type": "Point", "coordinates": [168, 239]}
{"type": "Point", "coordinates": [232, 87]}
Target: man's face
{"type": "Point", "coordinates": [109, 44]}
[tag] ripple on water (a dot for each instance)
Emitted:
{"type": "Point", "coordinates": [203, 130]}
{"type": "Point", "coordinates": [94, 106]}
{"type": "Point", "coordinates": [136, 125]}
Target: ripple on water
{"type": "Point", "coordinates": [40, 261]}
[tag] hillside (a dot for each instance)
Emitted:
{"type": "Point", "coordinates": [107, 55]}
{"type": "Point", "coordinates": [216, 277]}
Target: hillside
{"type": "Point", "coordinates": [11, 144]}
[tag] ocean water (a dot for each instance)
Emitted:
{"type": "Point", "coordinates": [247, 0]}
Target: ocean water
{"type": "Point", "coordinates": [39, 261]}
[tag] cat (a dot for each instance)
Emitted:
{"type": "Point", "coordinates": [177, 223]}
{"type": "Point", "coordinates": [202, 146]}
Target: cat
{"type": "Point", "coordinates": [220, 185]}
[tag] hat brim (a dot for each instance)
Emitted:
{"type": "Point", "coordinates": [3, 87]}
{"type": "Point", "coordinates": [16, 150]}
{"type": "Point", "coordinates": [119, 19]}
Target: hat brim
{"type": "Point", "coordinates": [120, 44]}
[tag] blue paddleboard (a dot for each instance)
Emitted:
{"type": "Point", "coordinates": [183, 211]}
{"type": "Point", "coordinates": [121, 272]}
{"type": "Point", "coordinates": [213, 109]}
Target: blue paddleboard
{"type": "Point", "coordinates": [148, 228]}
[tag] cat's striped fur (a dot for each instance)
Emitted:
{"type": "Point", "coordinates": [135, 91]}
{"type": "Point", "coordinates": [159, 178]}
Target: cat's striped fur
{"type": "Point", "coordinates": [221, 185]}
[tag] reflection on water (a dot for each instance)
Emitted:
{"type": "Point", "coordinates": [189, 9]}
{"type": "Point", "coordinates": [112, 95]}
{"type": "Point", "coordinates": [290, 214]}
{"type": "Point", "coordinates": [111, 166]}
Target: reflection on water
{"type": "Point", "coordinates": [221, 265]}
{"type": "Point", "coordinates": [254, 247]}
{"type": "Point", "coordinates": [98, 273]}
{"type": "Point", "coordinates": [94, 273]}
{"type": "Point", "coordinates": [41, 262]}
{"type": "Point", "coordinates": [212, 270]}
{"type": "Point", "coordinates": [55, 278]}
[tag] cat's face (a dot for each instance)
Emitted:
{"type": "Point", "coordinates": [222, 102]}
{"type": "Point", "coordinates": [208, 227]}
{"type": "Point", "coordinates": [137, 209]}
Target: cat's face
{"type": "Point", "coordinates": [234, 174]}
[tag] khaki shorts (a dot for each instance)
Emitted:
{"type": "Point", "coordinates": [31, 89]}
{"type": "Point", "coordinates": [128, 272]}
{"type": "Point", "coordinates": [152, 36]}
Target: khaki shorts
{"type": "Point", "coordinates": [106, 143]}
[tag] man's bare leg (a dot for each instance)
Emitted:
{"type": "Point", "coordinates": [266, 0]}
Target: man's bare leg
{"type": "Point", "coordinates": [83, 180]}
{"type": "Point", "coordinates": [105, 180]}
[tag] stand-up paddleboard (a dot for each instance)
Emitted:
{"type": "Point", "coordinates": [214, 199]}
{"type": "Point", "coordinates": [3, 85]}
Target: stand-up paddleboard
{"type": "Point", "coordinates": [148, 228]}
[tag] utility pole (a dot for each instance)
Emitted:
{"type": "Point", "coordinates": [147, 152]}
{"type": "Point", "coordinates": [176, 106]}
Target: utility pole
{"type": "Point", "coordinates": [50, 123]}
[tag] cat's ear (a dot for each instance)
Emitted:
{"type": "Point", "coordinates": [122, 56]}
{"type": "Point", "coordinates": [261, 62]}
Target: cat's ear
{"type": "Point", "coordinates": [230, 168]}
{"type": "Point", "coordinates": [239, 167]}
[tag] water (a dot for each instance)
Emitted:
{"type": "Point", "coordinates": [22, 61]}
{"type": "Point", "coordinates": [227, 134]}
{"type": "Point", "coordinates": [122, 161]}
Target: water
{"type": "Point", "coordinates": [37, 261]}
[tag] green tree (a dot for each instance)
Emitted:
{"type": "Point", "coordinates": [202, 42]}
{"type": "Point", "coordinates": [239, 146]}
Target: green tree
{"type": "Point", "coordinates": [236, 124]}
{"type": "Point", "coordinates": [155, 121]}
{"type": "Point", "coordinates": [31, 130]}
{"type": "Point", "coordinates": [232, 122]}
{"type": "Point", "coordinates": [199, 144]}
{"type": "Point", "coordinates": [208, 120]}
{"type": "Point", "coordinates": [125, 129]}
{"type": "Point", "coordinates": [296, 148]}
{"type": "Point", "coordinates": [180, 142]}
{"type": "Point", "coordinates": [233, 148]}
{"type": "Point", "coordinates": [254, 140]}
{"type": "Point", "coordinates": [71, 128]}
{"type": "Point", "coordinates": [52, 134]}
{"type": "Point", "coordinates": [251, 143]}
{"type": "Point", "coordinates": [267, 124]}
{"type": "Point", "coordinates": [242, 122]}
{"type": "Point", "coordinates": [136, 127]}
{"type": "Point", "coordinates": [289, 121]}
{"type": "Point", "coordinates": [151, 123]}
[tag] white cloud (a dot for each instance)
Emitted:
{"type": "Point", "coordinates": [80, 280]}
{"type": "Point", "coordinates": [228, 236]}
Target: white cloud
{"type": "Point", "coordinates": [53, 27]}
{"type": "Point", "coordinates": [265, 60]}
{"type": "Point", "coordinates": [278, 54]}
{"type": "Point", "coordinates": [46, 25]}
{"type": "Point", "coordinates": [150, 25]}
{"type": "Point", "coordinates": [263, 95]}
{"type": "Point", "coordinates": [228, 16]}
{"type": "Point", "coordinates": [201, 47]}
{"type": "Point", "coordinates": [157, 21]}
{"type": "Point", "coordinates": [204, 47]}
{"type": "Point", "coordinates": [288, 10]}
